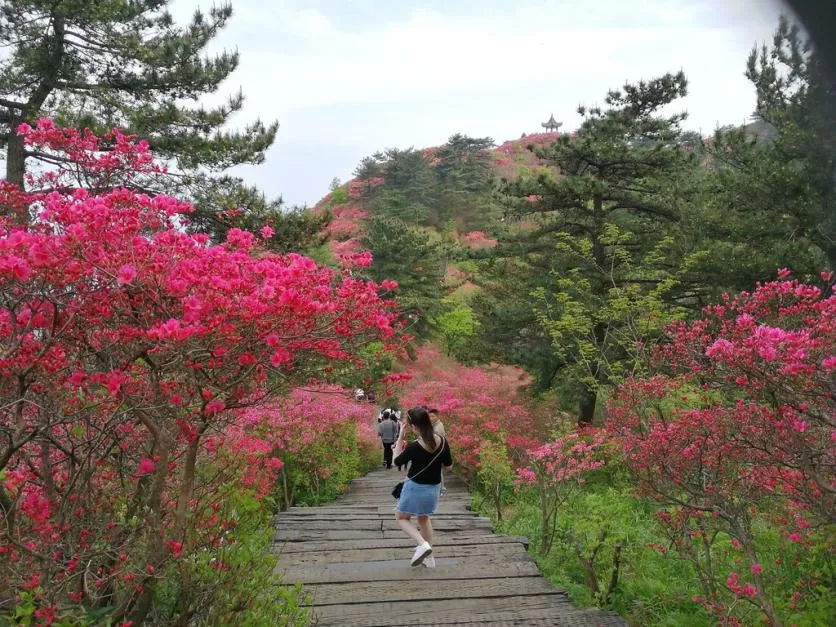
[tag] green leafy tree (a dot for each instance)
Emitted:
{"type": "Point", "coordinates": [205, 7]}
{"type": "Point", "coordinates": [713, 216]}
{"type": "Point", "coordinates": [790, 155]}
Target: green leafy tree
{"type": "Point", "coordinates": [456, 326]}
{"type": "Point", "coordinates": [464, 172]}
{"type": "Point", "coordinates": [225, 204]}
{"type": "Point", "coordinates": [405, 254]}
{"type": "Point", "coordinates": [106, 63]}
{"type": "Point", "coordinates": [508, 327]}
{"type": "Point", "coordinates": [603, 228]}
{"type": "Point", "coordinates": [466, 160]}
{"type": "Point", "coordinates": [769, 198]}
{"type": "Point", "coordinates": [409, 191]}
{"type": "Point", "coordinates": [496, 475]}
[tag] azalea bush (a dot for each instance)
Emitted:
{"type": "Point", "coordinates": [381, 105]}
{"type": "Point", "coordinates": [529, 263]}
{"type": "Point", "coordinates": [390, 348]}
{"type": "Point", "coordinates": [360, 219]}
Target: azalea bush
{"type": "Point", "coordinates": [737, 442]}
{"type": "Point", "coordinates": [477, 405]}
{"type": "Point", "coordinates": [323, 437]}
{"type": "Point", "coordinates": [130, 353]}
{"type": "Point", "coordinates": [556, 470]}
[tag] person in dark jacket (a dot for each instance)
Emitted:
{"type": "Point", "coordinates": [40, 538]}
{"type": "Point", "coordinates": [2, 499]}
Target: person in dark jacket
{"type": "Point", "coordinates": [387, 431]}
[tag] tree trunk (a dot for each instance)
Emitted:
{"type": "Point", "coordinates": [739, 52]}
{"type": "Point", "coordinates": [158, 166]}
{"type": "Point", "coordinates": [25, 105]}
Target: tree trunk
{"type": "Point", "coordinates": [586, 405]}
{"type": "Point", "coordinates": [16, 150]}
{"type": "Point", "coordinates": [15, 157]}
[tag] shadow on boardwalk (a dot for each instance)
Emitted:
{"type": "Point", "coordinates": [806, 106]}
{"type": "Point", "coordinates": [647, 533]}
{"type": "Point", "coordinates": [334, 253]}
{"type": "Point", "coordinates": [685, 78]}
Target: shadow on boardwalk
{"type": "Point", "coordinates": [354, 561]}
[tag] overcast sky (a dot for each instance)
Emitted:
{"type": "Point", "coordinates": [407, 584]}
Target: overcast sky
{"type": "Point", "coordinates": [345, 78]}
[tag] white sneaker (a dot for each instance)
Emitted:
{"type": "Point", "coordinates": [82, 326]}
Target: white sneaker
{"type": "Point", "coordinates": [429, 562]}
{"type": "Point", "coordinates": [422, 551]}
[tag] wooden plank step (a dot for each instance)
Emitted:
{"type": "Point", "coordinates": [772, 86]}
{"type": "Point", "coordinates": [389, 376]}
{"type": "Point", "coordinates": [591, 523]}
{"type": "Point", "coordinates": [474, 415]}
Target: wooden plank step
{"type": "Point", "coordinates": [441, 540]}
{"type": "Point", "coordinates": [302, 535]}
{"type": "Point", "coordinates": [384, 501]}
{"type": "Point", "coordinates": [441, 524]}
{"type": "Point", "coordinates": [354, 560]}
{"type": "Point", "coordinates": [441, 612]}
{"type": "Point", "coordinates": [481, 567]}
{"type": "Point", "coordinates": [396, 553]}
{"type": "Point", "coordinates": [387, 514]}
{"type": "Point", "coordinates": [526, 618]}
{"type": "Point", "coordinates": [316, 508]}
{"type": "Point", "coordinates": [426, 589]}
{"type": "Point", "coordinates": [388, 517]}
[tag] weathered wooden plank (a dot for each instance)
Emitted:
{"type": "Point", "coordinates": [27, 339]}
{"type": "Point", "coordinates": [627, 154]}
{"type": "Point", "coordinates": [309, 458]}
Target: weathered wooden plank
{"type": "Point", "coordinates": [396, 553]}
{"type": "Point", "coordinates": [303, 535]}
{"type": "Point", "coordinates": [306, 535]}
{"type": "Point", "coordinates": [474, 569]}
{"type": "Point", "coordinates": [548, 617]}
{"type": "Point", "coordinates": [441, 524]}
{"type": "Point", "coordinates": [426, 589]}
{"type": "Point", "coordinates": [388, 518]}
{"type": "Point", "coordinates": [444, 611]}
{"type": "Point", "coordinates": [316, 508]}
{"type": "Point", "coordinates": [483, 568]}
{"type": "Point", "coordinates": [440, 541]}
{"type": "Point", "coordinates": [354, 559]}
{"type": "Point", "coordinates": [386, 514]}
{"type": "Point", "coordinates": [390, 502]}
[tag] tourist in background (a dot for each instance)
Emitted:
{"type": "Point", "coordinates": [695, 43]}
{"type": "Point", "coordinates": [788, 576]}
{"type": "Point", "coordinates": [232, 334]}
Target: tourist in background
{"type": "Point", "coordinates": [402, 432]}
{"type": "Point", "coordinates": [438, 429]}
{"type": "Point", "coordinates": [387, 431]}
{"type": "Point", "coordinates": [438, 426]}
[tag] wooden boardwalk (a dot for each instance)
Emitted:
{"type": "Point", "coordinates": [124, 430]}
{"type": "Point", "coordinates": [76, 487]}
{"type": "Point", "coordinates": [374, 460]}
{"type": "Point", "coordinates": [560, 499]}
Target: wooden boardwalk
{"type": "Point", "coordinates": [354, 562]}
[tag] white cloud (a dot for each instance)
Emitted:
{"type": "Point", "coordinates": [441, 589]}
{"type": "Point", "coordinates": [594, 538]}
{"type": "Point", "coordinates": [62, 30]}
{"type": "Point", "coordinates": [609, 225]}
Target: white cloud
{"type": "Point", "coordinates": [418, 74]}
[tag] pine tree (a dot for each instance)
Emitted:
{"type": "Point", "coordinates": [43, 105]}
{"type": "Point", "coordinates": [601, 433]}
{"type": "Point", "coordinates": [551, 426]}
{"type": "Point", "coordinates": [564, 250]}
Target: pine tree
{"type": "Point", "coordinates": [771, 193]}
{"type": "Point", "coordinates": [405, 254]}
{"type": "Point", "coordinates": [464, 170]}
{"type": "Point", "coordinates": [106, 63]}
{"type": "Point", "coordinates": [603, 228]}
{"type": "Point", "coordinates": [409, 190]}
{"type": "Point", "coordinates": [221, 204]}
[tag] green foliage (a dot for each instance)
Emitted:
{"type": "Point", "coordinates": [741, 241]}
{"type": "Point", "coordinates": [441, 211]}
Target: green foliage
{"type": "Point", "coordinates": [456, 327]}
{"type": "Point", "coordinates": [465, 179]}
{"type": "Point", "coordinates": [768, 200]}
{"type": "Point", "coordinates": [602, 229]}
{"type": "Point", "coordinates": [112, 63]}
{"type": "Point", "coordinates": [655, 586]}
{"type": "Point", "coordinates": [322, 254]}
{"type": "Point", "coordinates": [307, 480]}
{"type": "Point", "coordinates": [652, 589]}
{"type": "Point", "coordinates": [596, 331]}
{"type": "Point", "coordinates": [508, 327]}
{"type": "Point", "coordinates": [406, 255]}
{"type": "Point", "coordinates": [339, 196]}
{"type": "Point", "coordinates": [496, 475]}
{"type": "Point", "coordinates": [409, 190]}
{"type": "Point", "coordinates": [224, 203]}
{"type": "Point", "coordinates": [375, 362]}
{"type": "Point", "coordinates": [453, 185]}
{"type": "Point", "coordinates": [235, 583]}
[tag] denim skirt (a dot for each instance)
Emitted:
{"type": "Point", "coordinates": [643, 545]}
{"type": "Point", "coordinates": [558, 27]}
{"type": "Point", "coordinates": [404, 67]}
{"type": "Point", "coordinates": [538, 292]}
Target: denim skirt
{"type": "Point", "coordinates": [418, 499]}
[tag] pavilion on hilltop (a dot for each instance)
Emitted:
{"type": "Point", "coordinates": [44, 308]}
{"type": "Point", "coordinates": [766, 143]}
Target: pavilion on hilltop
{"type": "Point", "coordinates": [552, 125]}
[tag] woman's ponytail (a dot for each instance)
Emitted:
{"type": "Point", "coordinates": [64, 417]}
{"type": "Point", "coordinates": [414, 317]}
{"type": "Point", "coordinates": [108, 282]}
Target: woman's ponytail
{"type": "Point", "coordinates": [420, 419]}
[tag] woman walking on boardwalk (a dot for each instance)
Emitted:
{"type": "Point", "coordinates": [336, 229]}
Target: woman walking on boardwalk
{"type": "Point", "coordinates": [421, 489]}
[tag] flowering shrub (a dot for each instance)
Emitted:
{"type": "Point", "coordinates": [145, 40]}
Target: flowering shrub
{"type": "Point", "coordinates": [128, 350]}
{"type": "Point", "coordinates": [555, 470]}
{"type": "Point", "coordinates": [477, 240]}
{"type": "Point", "coordinates": [321, 435]}
{"type": "Point", "coordinates": [740, 435]}
{"type": "Point", "coordinates": [345, 223]}
{"type": "Point", "coordinates": [476, 404]}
